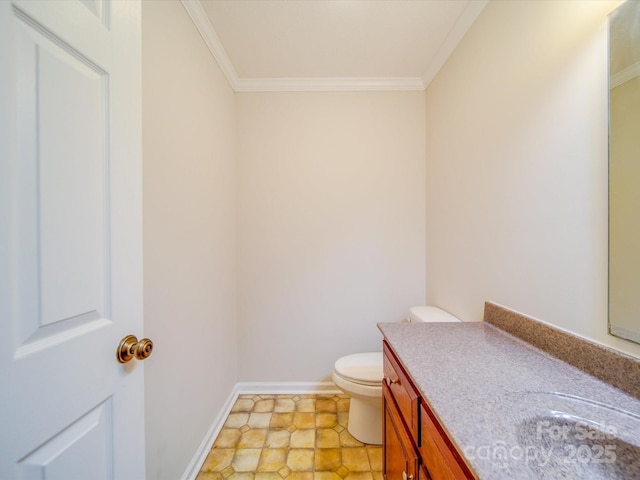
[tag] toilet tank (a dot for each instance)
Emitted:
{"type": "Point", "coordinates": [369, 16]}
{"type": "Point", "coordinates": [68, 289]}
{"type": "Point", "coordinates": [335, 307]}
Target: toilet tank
{"type": "Point", "coordinates": [430, 314]}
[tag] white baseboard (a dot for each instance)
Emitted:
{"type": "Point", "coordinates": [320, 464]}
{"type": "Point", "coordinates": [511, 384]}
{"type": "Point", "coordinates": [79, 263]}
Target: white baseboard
{"type": "Point", "coordinates": [256, 388]}
{"type": "Point", "coordinates": [287, 388]}
{"type": "Point", "coordinates": [205, 446]}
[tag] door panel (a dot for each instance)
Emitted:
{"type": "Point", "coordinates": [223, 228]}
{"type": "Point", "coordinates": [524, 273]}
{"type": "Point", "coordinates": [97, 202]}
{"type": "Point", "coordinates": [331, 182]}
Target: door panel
{"type": "Point", "coordinates": [70, 240]}
{"type": "Point", "coordinates": [62, 206]}
{"type": "Point", "coordinates": [82, 450]}
{"type": "Point", "coordinates": [100, 8]}
{"type": "Point", "coordinates": [400, 461]}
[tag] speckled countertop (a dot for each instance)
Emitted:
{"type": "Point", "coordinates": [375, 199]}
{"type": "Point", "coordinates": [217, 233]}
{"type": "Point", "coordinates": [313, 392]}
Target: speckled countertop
{"type": "Point", "coordinates": [515, 411]}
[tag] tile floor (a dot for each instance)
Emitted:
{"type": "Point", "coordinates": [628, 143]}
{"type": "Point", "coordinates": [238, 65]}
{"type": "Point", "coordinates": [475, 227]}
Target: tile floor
{"type": "Point", "coordinates": [290, 437]}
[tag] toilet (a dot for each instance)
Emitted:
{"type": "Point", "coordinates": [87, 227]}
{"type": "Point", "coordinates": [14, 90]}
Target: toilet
{"type": "Point", "coordinates": [359, 375]}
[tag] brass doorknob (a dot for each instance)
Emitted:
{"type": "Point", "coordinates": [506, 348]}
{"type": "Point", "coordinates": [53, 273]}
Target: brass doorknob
{"type": "Point", "coordinates": [144, 348]}
{"type": "Point", "coordinates": [130, 347]}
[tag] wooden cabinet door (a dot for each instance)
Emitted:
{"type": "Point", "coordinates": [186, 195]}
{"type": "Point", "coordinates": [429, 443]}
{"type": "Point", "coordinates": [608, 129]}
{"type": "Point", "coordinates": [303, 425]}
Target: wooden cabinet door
{"type": "Point", "coordinates": [400, 460]}
{"type": "Point", "coordinates": [438, 455]}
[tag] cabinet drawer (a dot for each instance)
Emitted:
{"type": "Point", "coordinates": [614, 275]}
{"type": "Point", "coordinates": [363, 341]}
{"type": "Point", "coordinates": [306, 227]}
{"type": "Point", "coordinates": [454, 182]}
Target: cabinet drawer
{"type": "Point", "coordinates": [439, 456]}
{"type": "Point", "coordinates": [402, 390]}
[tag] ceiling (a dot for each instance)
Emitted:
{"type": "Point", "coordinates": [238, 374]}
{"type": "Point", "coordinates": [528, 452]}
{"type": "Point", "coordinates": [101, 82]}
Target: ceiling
{"type": "Point", "coordinates": [312, 45]}
{"type": "Point", "coordinates": [624, 43]}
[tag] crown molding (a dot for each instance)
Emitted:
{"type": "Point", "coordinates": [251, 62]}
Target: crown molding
{"type": "Point", "coordinates": [327, 84]}
{"type": "Point", "coordinates": [203, 25]}
{"type": "Point", "coordinates": [629, 73]}
{"type": "Point", "coordinates": [462, 25]}
{"type": "Point", "coordinates": [338, 84]}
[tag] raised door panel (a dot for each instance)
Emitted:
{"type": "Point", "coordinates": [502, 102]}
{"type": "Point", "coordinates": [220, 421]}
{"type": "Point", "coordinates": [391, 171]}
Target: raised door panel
{"type": "Point", "coordinates": [82, 450]}
{"type": "Point", "coordinates": [100, 8]}
{"type": "Point", "coordinates": [400, 461]}
{"type": "Point", "coordinates": [60, 204]}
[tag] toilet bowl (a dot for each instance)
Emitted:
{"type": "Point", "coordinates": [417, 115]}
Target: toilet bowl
{"type": "Point", "coordinates": [360, 375]}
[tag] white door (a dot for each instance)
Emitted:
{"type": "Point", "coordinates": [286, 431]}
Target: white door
{"type": "Point", "coordinates": [70, 240]}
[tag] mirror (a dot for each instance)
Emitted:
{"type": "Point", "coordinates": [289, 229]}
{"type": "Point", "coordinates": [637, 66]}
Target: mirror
{"type": "Point", "coordinates": [624, 171]}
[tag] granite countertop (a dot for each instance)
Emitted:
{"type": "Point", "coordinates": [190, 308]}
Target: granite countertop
{"type": "Point", "coordinates": [507, 405]}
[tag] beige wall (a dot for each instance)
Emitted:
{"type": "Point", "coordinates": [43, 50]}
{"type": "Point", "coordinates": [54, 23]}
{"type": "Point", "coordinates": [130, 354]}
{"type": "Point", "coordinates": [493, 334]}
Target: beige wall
{"type": "Point", "coordinates": [517, 167]}
{"type": "Point", "coordinates": [189, 237]}
{"type": "Point", "coordinates": [330, 226]}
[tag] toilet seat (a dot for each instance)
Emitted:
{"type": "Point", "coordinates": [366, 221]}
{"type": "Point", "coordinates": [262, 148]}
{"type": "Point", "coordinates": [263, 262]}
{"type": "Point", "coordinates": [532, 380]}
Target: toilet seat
{"type": "Point", "coordinates": [361, 368]}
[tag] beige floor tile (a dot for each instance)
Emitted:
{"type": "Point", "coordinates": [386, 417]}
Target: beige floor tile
{"type": "Point", "coordinates": [253, 438]}
{"type": "Point", "coordinates": [326, 420]}
{"type": "Point", "coordinates": [277, 439]}
{"type": "Point", "coordinates": [327, 459]}
{"type": "Point", "coordinates": [304, 438]}
{"type": "Point", "coordinates": [359, 476]}
{"type": "Point", "coordinates": [304, 420]}
{"type": "Point", "coordinates": [209, 476]}
{"type": "Point", "coordinates": [327, 438]}
{"type": "Point", "coordinates": [218, 459]}
{"type": "Point", "coordinates": [281, 420]}
{"type": "Point", "coordinates": [272, 459]}
{"type": "Point", "coordinates": [227, 438]}
{"type": "Point", "coordinates": [264, 405]}
{"type": "Point", "coordinates": [236, 420]}
{"type": "Point", "coordinates": [346, 440]}
{"type": "Point", "coordinates": [284, 472]}
{"type": "Point", "coordinates": [246, 460]}
{"type": "Point", "coordinates": [284, 405]}
{"type": "Point", "coordinates": [242, 405]}
{"type": "Point", "coordinates": [243, 476]}
{"type": "Point", "coordinates": [266, 476]}
{"type": "Point", "coordinates": [325, 476]}
{"type": "Point", "coordinates": [356, 459]}
{"type": "Point", "coordinates": [306, 405]}
{"type": "Point", "coordinates": [259, 420]}
{"type": "Point", "coordinates": [327, 405]}
{"type": "Point", "coordinates": [300, 459]}
{"type": "Point", "coordinates": [343, 405]}
{"type": "Point", "coordinates": [300, 476]}
{"type": "Point", "coordinates": [343, 418]}
{"type": "Point", "coordinates": [342, 471]}
{"type": "Point", "coordinates": [375, 457]}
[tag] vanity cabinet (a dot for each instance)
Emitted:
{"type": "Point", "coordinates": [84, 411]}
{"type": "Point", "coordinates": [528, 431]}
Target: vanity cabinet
{"type": "Point", "coordinates": [399, 457]}
{"type": "Point", "coordinates": [415, 446]}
